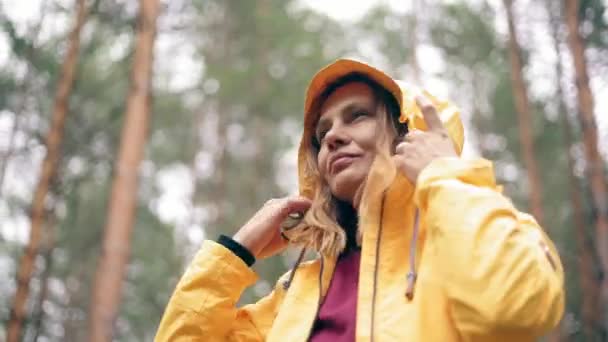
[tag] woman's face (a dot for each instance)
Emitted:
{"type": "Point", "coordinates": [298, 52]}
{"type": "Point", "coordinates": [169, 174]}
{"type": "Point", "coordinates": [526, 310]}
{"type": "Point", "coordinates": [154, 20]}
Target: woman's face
{"type": "Point", "coordinates": [347, 132]}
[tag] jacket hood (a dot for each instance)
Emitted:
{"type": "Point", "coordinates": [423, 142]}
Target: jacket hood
{"type": "Point", "coordinates": [410, 115]}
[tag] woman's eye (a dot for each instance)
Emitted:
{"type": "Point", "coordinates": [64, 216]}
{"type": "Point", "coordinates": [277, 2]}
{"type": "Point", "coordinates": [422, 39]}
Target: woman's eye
{"type": "Point", "coordinates": [321, 135]}
{"type": "Point", "coordinates": [360, 113]}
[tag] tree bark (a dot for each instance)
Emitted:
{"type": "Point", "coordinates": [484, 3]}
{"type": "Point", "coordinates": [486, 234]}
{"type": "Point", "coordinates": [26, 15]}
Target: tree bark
{"type": "Point", "coordinates": [524, 118]}
{"type": "Point", "coordinates": [49, 168]}
{"type": "Point", "coordinates": [49, 245]}
{"type": "Point", "coordinates": [524, 121]}
{"type": "Point", "coordinates": [116, 246]}
{"type": "Point", "coordinates": [588, 279]}
{"type": "Point", "coordinates": [594, 162]}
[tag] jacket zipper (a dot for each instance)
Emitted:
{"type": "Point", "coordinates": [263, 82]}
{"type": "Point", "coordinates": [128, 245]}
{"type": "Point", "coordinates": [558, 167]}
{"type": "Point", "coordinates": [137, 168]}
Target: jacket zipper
{"type": "Point", "coordinates": [376, 266]}
{"type": "Point", "coordinates": [320, 298]}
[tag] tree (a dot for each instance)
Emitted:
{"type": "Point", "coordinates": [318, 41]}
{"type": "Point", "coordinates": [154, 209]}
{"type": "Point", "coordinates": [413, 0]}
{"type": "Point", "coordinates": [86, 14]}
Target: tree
{"type": "Point", "coordinates": [49, 167]}
{"type": "Point", "coordinates": [588, 279]}
{"type": "Point", "coordinates": [116, 243]}
{"type": "Point", "coordinates": [38, 313]}
{"type": "Point", "coordinates": [524, 118]}
{"type": "Point", "coordinates": [594, 163]}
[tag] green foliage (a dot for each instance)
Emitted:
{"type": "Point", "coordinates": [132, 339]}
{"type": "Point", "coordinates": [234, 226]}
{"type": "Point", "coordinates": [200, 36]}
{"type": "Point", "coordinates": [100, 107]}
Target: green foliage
{"type": "Point", "coordinates": [466, 36]}
{"type": "Point", "coordinates": [594, 22]}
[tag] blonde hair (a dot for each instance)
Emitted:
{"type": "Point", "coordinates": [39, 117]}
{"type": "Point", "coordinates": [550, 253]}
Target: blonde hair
{"type": "Point", "coordinates": [320, 228]}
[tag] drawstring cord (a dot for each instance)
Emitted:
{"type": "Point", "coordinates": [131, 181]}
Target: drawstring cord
{"type": "Point", "coordinates": [411, 274]}
{"type": "Point", "coordinates": [287, 284]}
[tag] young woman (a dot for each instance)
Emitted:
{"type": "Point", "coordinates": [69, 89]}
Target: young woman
{"type": "Point", "coordinates": [414, 243]}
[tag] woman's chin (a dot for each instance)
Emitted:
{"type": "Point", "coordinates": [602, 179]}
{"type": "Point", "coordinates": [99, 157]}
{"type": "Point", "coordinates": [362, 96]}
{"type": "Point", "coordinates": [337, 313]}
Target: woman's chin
{"type": "Point", "coordinates": [345, 185]}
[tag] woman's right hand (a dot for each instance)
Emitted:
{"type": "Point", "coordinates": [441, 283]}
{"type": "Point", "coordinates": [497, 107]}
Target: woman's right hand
{"type": "Point", "coordinates": [261, 235]}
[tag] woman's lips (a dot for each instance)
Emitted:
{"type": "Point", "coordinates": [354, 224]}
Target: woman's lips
{"type": "Point", "coordinates": [341, 163]}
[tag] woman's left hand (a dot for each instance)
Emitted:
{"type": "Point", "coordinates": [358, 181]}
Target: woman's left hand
{"type": "Point", "coordinates": [420, 148]}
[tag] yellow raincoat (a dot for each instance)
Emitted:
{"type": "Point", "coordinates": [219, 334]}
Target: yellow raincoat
{"type": "Point", "coordinates": [486, 272]}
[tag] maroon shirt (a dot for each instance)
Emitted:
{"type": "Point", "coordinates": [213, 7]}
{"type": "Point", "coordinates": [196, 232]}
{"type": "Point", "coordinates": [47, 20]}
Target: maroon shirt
{"type": "Point", "coordinates": [338, 313]}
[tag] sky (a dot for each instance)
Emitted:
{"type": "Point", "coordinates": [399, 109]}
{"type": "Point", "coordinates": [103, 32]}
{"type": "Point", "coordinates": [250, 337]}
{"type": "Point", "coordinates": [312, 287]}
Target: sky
{"type": "Point", "coordinates": [179, 60]}
{"type": "Point", "coordinates": [346, 10]}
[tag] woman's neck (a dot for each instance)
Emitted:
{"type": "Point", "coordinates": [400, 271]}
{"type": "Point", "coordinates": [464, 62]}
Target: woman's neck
{"type": "Point", "coordinates": [347, 218]}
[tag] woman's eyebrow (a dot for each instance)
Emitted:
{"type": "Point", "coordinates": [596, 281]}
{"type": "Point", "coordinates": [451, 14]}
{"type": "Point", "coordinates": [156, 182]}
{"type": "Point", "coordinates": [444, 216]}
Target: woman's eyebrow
{"type": "Point", "coordinates": [355, 106]}
{"type": "Point", "coordinates": [325, 120]}
{"type": "Point", "coordinates": [349, 108]}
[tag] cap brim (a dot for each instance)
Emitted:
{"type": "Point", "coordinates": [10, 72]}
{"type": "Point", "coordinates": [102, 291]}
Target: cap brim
{"type": "Point", "coordinates": [341, 68]}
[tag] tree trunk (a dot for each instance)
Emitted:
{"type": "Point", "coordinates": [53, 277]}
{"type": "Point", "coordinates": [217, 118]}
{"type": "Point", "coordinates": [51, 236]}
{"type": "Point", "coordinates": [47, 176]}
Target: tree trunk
{"type": "Point", "coordinates": [588, 279]}
{"type": "Point", "coordinates": [49, 245]}
{"type": "Point", "coordinates": [524, 121]}
{"type": "Point", "coordinates": [594, 162]}
{"type": "Point", "coordinates": [49, 167]}
{"type": "Point", "coordinates": [116, 244]}
{"type": "Point", "coordinates": [524, 118]}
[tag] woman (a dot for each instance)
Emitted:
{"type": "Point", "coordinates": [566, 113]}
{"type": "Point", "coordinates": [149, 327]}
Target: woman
{"type": "Point", "coordinates": [414, 242]}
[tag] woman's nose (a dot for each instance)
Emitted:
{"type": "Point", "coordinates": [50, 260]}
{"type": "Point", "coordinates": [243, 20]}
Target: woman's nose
{"type": "Point", "coordinates": [336, 137]}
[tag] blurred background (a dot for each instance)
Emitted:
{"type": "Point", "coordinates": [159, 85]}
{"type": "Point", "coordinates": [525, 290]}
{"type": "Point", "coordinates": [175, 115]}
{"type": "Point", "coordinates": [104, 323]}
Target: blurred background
{"type": "Point", "coordinates": [108, 187]}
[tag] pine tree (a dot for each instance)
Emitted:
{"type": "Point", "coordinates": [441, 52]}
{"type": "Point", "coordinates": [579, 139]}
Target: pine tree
{"type": "Point", "coordinates": [594, 163]}
{"type": "Point", "coordinates": [116, 244]}
{"type": "Point", "coordinates": [524, 118]}
{"type": "Point", "coordinates": [589, 281]}
{"type": "Point", "coordinates": [48, 172]}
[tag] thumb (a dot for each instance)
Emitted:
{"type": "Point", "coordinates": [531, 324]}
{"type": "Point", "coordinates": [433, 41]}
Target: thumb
{"type": "Point", "coordinates": [295, 204]}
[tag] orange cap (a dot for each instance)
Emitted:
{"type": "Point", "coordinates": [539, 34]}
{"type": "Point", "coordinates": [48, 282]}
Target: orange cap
{"type": "Point", "coordinates": [341, 68]}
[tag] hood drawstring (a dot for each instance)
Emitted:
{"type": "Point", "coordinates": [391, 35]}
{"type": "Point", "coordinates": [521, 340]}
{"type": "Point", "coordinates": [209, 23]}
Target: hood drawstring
{"type": "Point", "coordinates": [294, 268]}
{"type": "Point", "coordinates": [411, 274]}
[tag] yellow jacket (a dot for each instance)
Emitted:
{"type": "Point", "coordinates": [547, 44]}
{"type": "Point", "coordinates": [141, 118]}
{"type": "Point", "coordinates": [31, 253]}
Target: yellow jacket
{"type": "Point", "coordinates": [486, 272]}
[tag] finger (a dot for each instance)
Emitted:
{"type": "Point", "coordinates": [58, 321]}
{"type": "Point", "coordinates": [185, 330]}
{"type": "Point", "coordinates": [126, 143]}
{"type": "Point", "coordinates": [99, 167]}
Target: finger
{"type": "Point", "coordinates": [404, 147]}
{"type": "Point", "coordinates": [272, 201]}
{"type": "Point", "coordinates": [295, 204]}
{"type": "Point", "coordinates": [401, 162]}
{"type": "Point", "coordinates": [429, 112]}
{"type": "Point", "coordinates": [398, 160]}
{"type": "Point", "coordinates": [413, 135]}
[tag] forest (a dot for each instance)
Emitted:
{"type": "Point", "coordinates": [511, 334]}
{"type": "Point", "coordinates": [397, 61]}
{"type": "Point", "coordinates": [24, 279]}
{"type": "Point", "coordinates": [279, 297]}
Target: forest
{"type": "Point", "coordinates": [131, 131]}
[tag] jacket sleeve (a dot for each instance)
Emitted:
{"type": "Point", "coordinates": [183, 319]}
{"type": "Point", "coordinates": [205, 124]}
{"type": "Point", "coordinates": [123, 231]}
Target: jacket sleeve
{"type": "Point", "coordinates": [498, 268]}
{"type": "Point", "coordinates": [203, 305]}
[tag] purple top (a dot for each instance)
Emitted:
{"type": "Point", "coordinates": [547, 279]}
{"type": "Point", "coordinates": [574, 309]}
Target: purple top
{"type": "Point", "coordinates": [338, 312]}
